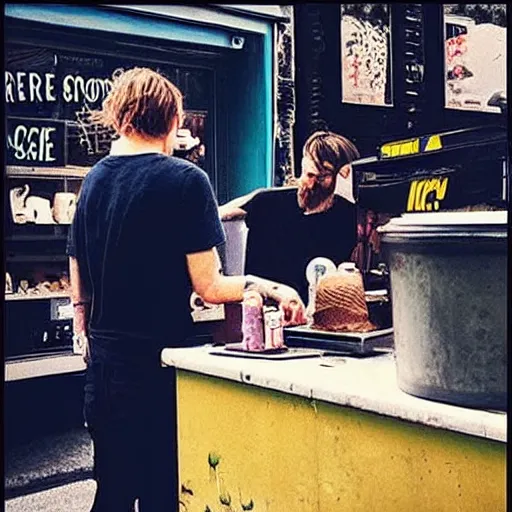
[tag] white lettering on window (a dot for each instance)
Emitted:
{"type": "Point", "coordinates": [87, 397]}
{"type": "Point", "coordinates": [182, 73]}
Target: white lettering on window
{"type": "Point", "coordinates": [21, 85]}
{"type": "Point", "coordinates": [35, 82]}
{"type": "Point", "coordinates": [10, 82]}
{"type": "Point", "coordinates": [48, 145]}
{"type": "Point", "coordinates": [67, 93]}
{"type": "Point", "coordinates": [19, 136]}
{"type": "Point", "coordinates": [49, 87]}
{"type": "Point", "coordinates": [32, 143]}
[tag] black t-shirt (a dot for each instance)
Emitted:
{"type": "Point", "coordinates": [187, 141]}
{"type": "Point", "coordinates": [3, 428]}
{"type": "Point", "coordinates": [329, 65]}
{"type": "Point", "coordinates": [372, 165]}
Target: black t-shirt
{"type": "Point", "coordinates": [137, 217]}
{"type": "Point", "coordinates": [282, 240]}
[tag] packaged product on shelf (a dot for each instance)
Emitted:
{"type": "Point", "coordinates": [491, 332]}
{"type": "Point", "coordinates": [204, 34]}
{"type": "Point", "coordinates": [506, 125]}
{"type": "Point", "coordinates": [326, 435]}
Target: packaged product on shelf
{"type": "Point", "coordinates": [64, 282]}
{"type": "Point", "coordinates": [8, 283]}
{"type": "Point", "coordinates": [23, 286]}
{"type": "Point", "coordinates": [39, 210]}
{"type": "Point", "coordinates": [64, 206]}
{"type": "Point", "coordinates": [18, 196]}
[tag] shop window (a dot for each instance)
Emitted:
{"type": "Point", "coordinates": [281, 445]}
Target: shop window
{"type": "Point", "coordinates": [49, 93]}
{"type": "Point", "coordinates": [51, 145]}
{"type": "Point", "coordinates": [365, 54]}
{"type": "Point", "coordinates": [475, 56]}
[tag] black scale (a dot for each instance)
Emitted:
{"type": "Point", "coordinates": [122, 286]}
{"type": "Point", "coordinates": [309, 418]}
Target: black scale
{"type": "Point", "coordinates": [360, 343]}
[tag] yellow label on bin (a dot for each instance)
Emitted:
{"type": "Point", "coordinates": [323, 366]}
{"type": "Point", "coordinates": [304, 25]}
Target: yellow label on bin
{"type": "Point", "coordinates": [411, 146]}
{"type": "Point", "coordinates": [426, 195]}
{"type": "Point", "coordinates": [433, 143]}
{"type": "Point", "coordinates": [400, 148]}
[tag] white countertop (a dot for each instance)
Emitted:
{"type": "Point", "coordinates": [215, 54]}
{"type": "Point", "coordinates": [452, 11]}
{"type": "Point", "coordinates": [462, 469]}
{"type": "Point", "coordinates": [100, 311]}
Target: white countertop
{"type": "Point", "coordinates": [368, 384]}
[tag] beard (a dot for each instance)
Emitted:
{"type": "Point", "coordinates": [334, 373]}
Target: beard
{"type": "Point", "coordinates": [313, 198]}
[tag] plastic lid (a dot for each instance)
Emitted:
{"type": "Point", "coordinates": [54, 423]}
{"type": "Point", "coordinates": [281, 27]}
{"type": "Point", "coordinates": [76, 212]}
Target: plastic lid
{"type": "Point", "coordinates": [448, 223]}
{"type": "Point", "coordinates": [451, 218]}
{"type": "Point", "coordinates": [319, 267]}
{"type": "Point", "coordinates": [346, 265]}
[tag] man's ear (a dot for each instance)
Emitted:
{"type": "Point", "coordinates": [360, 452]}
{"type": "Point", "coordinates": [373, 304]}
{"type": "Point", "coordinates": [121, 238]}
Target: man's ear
{"type": "Point", "coordinates": [344, 172]}
{"type": "Point", "coordinates": [126, 130]}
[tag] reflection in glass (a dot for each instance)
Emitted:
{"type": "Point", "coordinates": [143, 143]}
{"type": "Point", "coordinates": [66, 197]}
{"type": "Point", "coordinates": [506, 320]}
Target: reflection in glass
{"type": "Point", "coordinates": [475, 55]}
{"type": "Point", "coordinates": [365, 47]}
{"type": "Point", "coordinates": [190, 143]}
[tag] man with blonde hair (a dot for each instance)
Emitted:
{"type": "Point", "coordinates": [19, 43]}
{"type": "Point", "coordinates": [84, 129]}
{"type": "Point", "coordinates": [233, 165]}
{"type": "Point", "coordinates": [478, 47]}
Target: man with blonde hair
{"type": "Point", "coordinates": [290, 226]}
{"type": "Point", "coordinates": [143, 237]}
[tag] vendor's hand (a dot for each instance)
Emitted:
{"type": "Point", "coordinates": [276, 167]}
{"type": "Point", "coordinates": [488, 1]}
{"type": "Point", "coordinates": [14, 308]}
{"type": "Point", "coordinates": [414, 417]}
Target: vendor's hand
{"type": "Point", "coordinates": [294, 311]}
{"type": "Point", "coordinates": [228, 212]}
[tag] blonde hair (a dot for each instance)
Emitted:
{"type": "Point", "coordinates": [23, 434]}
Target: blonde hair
{"type": "Point", "coordinates": [143, 100]}
{"type": "Point", "coordinates": [330, 151]}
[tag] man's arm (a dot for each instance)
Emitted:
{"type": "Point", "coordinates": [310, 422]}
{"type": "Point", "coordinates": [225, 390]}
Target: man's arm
{"type": "Point", "coordinates": [208, 282]}
{"type": "Point", "coordinates": [79, 298]}
{"type": "Point", "coordinates": [235, 208]}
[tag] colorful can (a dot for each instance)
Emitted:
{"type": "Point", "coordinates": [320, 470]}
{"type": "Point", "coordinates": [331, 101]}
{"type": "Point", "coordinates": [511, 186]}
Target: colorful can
{"type": "Point", "coordinates": [273, 321]}
{"type": "Point", "coordinates": [252, 322]}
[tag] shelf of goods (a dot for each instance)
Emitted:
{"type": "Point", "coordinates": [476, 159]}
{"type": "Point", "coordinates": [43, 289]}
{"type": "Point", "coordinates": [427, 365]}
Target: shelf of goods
{"type": "Point", "coordinates": [38, 312]}
{"type": "Point", "coordinates": [47, 296]}
{"type": "Point", "coordinates": [68, 171]}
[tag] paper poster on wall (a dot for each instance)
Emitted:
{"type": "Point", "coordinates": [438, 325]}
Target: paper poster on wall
{"type": "Point", "coordinates": [365, 54]}
{"type": "Point", "coordinates": [475, 55]}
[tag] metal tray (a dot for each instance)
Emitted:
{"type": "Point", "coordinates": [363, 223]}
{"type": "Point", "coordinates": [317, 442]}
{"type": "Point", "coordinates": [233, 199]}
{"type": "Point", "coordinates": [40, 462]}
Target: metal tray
{"type": "Point", "coordinates": [234, 350]}
{"type": "Point", "coordinates": [344, 342]}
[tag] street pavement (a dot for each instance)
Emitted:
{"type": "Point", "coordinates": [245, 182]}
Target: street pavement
{"type": "Point", "coordinates": [47, 450]}
{"type": "Point", "coordinates": [73, 497]}
{"type": "Point", "coordinates": [50, 473]}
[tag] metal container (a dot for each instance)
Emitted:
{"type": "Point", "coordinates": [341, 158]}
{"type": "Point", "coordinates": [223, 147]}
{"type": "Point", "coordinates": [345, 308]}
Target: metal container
{"type": "Point", "coordinates": [449, 300]}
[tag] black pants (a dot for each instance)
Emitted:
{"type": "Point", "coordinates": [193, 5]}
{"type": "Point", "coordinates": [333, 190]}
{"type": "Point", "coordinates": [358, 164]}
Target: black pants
{"type": "Point", "coordinates": [130, 409]}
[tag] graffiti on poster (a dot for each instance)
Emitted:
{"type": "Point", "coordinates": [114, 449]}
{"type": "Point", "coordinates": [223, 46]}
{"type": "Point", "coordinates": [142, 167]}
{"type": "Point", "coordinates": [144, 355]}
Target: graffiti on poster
{"type": "Point", "coordinates": [365, 44]}
{"type": "Point", "coordinates": [475, 58]}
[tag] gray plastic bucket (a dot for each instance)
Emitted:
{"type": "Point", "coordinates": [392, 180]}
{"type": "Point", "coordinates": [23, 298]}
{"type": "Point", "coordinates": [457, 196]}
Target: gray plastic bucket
{"type": "Point", "coordinates": [448, 276]}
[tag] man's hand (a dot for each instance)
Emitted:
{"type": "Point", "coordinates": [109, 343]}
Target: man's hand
{"type": "Point", "coordinates": [81, 311]}
{"type": "Point", "coordinates": [212, 286]}
{"type": "Point", "coordinates": [228, 212]}
{"type": "Point", "coordinates": [234, 210]}
{"type": "Point", "coordinates": [294, 311]}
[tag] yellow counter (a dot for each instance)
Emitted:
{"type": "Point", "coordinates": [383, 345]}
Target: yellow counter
{"type": "Point", "coordinates": [245, 443]}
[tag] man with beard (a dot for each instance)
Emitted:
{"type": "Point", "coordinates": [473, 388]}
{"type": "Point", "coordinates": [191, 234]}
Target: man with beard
{"type": "Point", "coordinates": [290, 226]}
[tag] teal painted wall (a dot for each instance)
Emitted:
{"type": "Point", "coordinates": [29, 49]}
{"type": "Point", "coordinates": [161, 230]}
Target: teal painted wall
{"type": "Point", "coordinates": [249, 117]}
{"type": "Point", "coordinates": [96, 18]}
